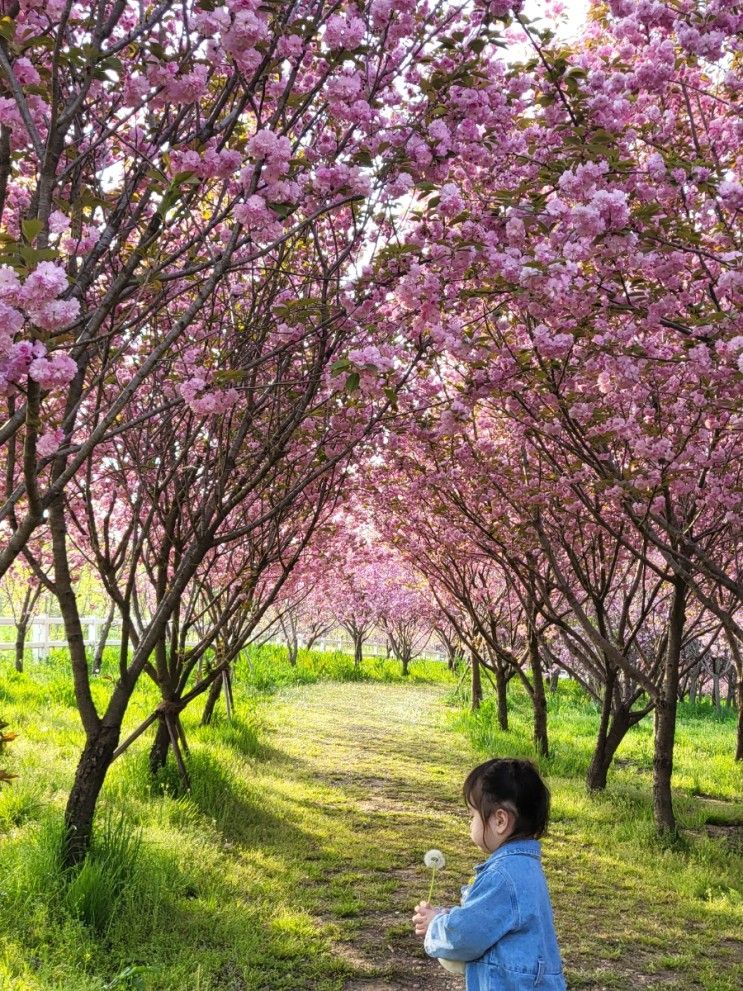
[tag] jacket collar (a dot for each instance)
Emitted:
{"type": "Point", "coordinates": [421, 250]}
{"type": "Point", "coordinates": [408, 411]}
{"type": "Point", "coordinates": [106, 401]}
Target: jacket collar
{"type": "Point", "coordinates": [523, 848]}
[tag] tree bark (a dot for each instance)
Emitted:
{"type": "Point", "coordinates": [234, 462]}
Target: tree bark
{"type": "Point", "coordinates": [160, 746]}
{"type": "Point", "coordinates": [665, 715]}
{"type": "Point", "coordinates": [476, 682]}
{"type": "Point", "coordinates": [694, 684]}
{"type": "Point", "coordinates": [102, 638]}
{"type": "Point", "coordinates": [211, 701]}
{"type": "Point", "coordinates": [597, 770]}
{"type": "Point", "coordinates": [539, 699]}
{"type": "Point", "coordinates": [95, 761]}
{"type": "Point", "coordinates": [739, 742]}
{"type": "Point", "coordinates": [501, 691]}
{"type": "Point", "coordinates": [358, 650]}
{"type": "Point", "coordinates": [20, 643]}
{"type": "Point", "coordinates": [621, 721]}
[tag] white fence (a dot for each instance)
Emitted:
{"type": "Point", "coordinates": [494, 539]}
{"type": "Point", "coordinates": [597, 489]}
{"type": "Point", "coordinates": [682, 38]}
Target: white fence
{"type": "Point", "coordinates": [46, 632]}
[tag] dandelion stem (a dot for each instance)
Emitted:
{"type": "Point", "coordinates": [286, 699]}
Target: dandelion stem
{"type": "Point", "coordinates": [430, 890]}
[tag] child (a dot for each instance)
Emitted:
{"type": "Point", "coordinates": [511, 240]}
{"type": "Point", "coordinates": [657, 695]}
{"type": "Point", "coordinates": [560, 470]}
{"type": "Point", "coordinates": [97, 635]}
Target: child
{"type": "Point", "coordinates": [504, 928]}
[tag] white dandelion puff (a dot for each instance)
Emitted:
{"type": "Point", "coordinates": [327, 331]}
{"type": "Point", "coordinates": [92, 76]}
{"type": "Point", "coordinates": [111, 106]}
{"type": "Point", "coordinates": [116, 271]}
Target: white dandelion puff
{"type": "Point", "coordinates": [434, 859]}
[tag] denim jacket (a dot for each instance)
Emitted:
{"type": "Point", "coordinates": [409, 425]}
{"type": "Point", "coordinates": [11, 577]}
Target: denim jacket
{"type": "Point", "coordinates": [504, 927]}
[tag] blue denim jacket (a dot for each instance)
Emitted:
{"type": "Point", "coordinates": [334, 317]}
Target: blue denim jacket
{"type": "Point", "coordinates": [504, 927]}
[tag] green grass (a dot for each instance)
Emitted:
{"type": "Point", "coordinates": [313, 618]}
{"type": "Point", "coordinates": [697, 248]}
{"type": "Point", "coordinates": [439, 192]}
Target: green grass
{"type": "Point", "coordinates": [194, 891]}
{"type": "Point", "coordinates": [295, 860]}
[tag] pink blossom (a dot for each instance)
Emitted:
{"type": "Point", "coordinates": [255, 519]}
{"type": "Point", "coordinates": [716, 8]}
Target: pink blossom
{"type": "Point", "coordinates": [45, 283]}
{"type": "Point", "coordinates": [25, 72]}
{"type": "Point", "coordinates": [49, 442]}
{"type": "Point", "coordinates": [731, 193]}
{"type": "Point", "coordinates": [211, 22]}
{"type": "Point", "coordinates": [58, 222]}
{"type": "Point", "coordinates": [10, 285]}
{"type": "Point", "coordinates": [53, 372]}
{"type": "Point", "coordinates": [11, 320]}
{"type": "Point", "coordinates": [450, 202]}
{"type": "Point", "coordinates": [189, 86]}
{"type": "Point", "coordinates": [266, 145]}
{"type": "Point", "coordinates": [55, 314]}
{"type": "Point", "coordinates": [344, 31]}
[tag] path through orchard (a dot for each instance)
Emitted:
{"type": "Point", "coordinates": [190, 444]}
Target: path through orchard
{"type": "Point", "coordinates": [395, 770]}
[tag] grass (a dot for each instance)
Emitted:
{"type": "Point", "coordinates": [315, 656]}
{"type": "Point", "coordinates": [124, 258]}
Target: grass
{"type": "Point", "coordinates": [294, 861]}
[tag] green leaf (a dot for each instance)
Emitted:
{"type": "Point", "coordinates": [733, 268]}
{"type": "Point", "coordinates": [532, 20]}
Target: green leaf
{"type": "Point", "coordinates": [32, 256]}
{"type": "Point", "coordinates": [282, 209]}
{"type": "Point", "coordinates": [340, 366]}
{"type": "Point", "coordinates": [31, 228]}
{"type": "Point", "coordinates": [352, 382]}
{"type": "Point", "coordinates": [7, 28]}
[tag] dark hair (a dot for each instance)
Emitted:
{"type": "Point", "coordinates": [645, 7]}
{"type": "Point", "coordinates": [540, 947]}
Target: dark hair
{"type": "Point", "coordinates": [510, 781]}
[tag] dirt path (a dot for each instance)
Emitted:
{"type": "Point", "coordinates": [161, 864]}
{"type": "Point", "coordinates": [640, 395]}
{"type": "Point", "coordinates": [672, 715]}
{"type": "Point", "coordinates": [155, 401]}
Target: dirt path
{"type": "Point", "coordinates": [394, 771]}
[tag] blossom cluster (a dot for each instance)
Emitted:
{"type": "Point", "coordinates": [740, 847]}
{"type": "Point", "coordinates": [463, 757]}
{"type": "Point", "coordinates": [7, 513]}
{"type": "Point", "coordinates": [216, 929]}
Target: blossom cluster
{"type": "Point", "coordinates": [37, 301]}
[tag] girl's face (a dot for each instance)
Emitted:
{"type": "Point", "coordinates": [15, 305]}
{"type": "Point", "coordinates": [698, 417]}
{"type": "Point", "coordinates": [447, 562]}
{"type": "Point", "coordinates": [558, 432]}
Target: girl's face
{"type": "Point", "coordinates": [490, 835]}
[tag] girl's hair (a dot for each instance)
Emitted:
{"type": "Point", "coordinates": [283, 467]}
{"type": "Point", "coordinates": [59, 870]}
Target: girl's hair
{"type": "Point", "coordinates": [513, 784]}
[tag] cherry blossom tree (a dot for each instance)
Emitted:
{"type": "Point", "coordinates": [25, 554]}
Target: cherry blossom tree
{"type": "Point", "coordinates": [191, 198]}
{"type": "Point", "coordinates": [590, 254]}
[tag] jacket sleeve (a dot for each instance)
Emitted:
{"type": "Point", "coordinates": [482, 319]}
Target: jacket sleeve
{"type": "Point", "coordinates": [465, 933]}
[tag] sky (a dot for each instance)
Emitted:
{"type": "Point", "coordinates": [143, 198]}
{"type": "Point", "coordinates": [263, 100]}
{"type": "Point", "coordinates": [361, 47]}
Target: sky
{"type": "Point", "coordinates": [575, 9]}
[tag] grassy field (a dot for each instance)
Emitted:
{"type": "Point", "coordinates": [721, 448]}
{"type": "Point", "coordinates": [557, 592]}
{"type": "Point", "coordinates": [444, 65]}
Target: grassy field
{"type": "Point", "coordinates": [295, 860]}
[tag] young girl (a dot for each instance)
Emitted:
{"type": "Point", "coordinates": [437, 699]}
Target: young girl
{"type": "Point", "coordinates": [503, 929]}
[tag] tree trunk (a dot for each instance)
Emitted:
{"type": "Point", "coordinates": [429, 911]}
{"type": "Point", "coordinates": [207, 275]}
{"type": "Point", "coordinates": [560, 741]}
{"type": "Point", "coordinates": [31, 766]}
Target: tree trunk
{"type": "Point", "coordinates": [476, 682]}
{"type": "Point", "coordinates": [211, 701]}
{"type": "Point", "coordinates": [160, 747]}
{"type": "Point", "coordinates": [405, 663]}
{"type": "Point", "coordinates": [539, 699]}
{"type": "Point", "coordinates": [739, 694]}
{"type": "Point", "coordinates": [20, 642]}
{"type": "Point", "coordinates": [554, 680]}
{"type": "Point", "coordinates": [665, 715]}
{"type": "Point", "coordinates": [621, 722]}
{"type": "Point", "coordinates": [716, 686]}
{"type": "Point", "coordinates": [102, 638]}
{"type": "Point", "coordinates": [292, 648]}
{"type": "Point", "coordinates": [95, 761]}
{"type": "Point", "coordinates": [501, 690]}
{"type": "Point", "coordinates": [597, 770]}
{"type": "Point", "coordinates": [358, 650]}
{"type": "Point", "coordinates": [694, 684]}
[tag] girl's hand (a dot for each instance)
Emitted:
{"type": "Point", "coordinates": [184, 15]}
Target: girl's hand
{"type": "Point", "coordinates": [422, 916]}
